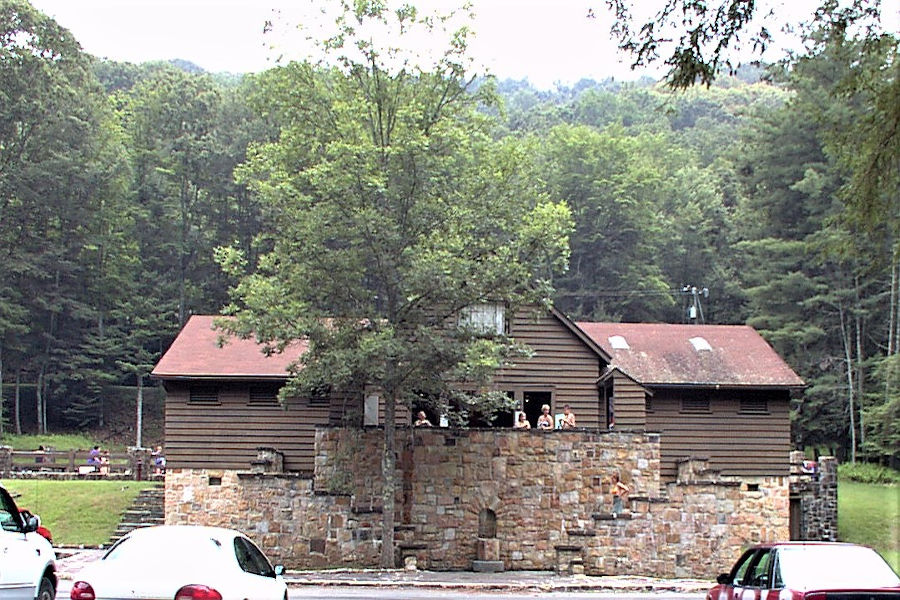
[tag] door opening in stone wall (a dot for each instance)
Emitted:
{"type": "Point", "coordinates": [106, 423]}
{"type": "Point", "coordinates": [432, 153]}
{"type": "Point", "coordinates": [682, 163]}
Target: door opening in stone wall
{"type": "Point", "coordinates": [796, 514]}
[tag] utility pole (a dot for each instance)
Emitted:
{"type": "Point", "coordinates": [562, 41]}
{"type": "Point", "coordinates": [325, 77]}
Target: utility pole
{"type": "Point", "coordinates": [695, 309]}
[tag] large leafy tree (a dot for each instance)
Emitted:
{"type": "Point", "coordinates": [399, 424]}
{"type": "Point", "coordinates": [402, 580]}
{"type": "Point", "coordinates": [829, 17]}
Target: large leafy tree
{"type": "Point", "coordinates": [56, 174]}
{"type": "Point", "coordinates": [393, 209]}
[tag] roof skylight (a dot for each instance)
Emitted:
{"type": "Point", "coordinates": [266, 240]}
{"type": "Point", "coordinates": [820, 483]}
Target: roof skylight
{"type": "Point", "coordinates": [700, 344]}
{"type": "Point", "coordinates": [618, 342]}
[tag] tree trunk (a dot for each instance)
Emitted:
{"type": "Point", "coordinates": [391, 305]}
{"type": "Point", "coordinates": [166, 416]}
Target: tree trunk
{"type": "Point", "coordinates": [860, 373]}
{"type": "Point", "coordinates": [848, 361]}
{"type": "Point", "coordinates": [39, 400]}
{"type": "Point", "coordinates": [17, 402]}
{"type": "Point", "coordinates": [389, 485]}
{"type": "Point", "coordinates": [140, 411]}
{"type": "Point", "coordinates": [1, 389]}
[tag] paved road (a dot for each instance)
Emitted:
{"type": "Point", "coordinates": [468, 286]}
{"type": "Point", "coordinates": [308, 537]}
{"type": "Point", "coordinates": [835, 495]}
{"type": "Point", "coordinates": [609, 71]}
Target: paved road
{"type": "Point", "coordinates": [388, 593]}
{"type": "Point", "coordinates": [336, 593]}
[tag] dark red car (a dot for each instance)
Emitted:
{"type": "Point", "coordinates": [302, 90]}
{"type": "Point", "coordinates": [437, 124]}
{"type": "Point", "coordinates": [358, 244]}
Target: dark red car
{"type": "Point", "coordinates": [808, 571]}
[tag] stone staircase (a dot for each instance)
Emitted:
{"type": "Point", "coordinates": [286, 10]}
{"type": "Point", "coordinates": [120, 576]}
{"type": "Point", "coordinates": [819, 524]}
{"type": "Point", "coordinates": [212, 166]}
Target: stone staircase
{"type": "Point", "coordinates": [147, 509]}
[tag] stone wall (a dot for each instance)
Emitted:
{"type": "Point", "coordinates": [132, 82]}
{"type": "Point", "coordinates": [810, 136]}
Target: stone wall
{"type": "Point", "coordinates": [546, 496]}
{"type": "Point", "coordinates": [814, 486]}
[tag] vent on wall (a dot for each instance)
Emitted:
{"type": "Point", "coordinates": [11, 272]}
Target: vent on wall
{"type": "Point", "coordinates": [266, 395]}
{"type": "Point", "coordinates": [695, 405]}
{"type": "Point", "coordinates": [204, 394]}
{"type": "Point", "coordinates": [756, 406]}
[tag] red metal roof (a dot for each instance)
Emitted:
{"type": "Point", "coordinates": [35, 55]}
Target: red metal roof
{"type": "Point", "coordinates": [196, 352]}
{"type": "Point", "coordinates": [663, 354]}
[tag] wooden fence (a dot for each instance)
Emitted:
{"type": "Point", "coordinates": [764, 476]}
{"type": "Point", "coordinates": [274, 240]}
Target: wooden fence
{"type": "Point", "coordinates": [70, 461]}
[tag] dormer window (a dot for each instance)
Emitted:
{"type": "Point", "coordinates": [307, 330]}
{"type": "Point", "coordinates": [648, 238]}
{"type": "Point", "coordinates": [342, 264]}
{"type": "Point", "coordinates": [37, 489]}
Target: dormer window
{"type": "Point", "coordinates": [489, 319]}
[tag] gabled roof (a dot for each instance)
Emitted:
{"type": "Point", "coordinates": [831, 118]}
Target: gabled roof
{"type": "Point", "coordinates": [697, 355]}
{"type": "Point", "coordinates": [580, 334]}
{"type": "Point", "coordinates": [197, 354]}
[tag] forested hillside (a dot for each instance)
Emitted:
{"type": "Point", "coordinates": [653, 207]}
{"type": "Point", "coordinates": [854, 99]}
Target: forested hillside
{"type": "Point", "coordinates": [117, 187]}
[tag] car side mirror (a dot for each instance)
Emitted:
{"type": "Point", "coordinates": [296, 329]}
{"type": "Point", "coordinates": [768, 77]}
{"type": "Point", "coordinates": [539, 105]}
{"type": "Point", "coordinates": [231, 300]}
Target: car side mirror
{"type": "Point", "coordinates": [723, 578]}
{"type": "Point", "coordinates": [279, 570]}
{"type": "Point", "coordinates": [31, 524]}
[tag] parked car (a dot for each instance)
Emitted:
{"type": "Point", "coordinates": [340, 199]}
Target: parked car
{"type": "Point", "coordinates": [41, 530]}
{"type": "Point", "coordinates": [182, 562]}
{"type": "Point", "coordinates": [28, 564]}
{"type": "Point", "coordinates": [808, 571]}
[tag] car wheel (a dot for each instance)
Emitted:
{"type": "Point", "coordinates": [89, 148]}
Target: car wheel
{"type": "Point", "coordinates": [46, 591]}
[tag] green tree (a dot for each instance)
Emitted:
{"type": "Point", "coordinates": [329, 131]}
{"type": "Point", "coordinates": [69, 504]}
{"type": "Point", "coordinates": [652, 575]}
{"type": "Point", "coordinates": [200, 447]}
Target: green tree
{"type": "Point", "coordinates": [55, 170]}
{"type": "Point", "coordinates": [393, 210]}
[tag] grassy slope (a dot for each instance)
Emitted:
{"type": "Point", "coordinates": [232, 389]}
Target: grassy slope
{"type": "Point", "coordinates": [57, 441]}
{"type": "Point", "coordinates": [76, 512]}
{"type": "Point", "coordinates": [870, 514]}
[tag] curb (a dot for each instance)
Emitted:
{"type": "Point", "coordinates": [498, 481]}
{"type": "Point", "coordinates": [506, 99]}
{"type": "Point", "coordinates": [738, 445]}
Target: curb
{"type": "Point", "coordinates": [613, 584]}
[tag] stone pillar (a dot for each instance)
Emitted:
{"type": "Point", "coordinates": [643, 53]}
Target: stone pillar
{"type": "Point", "coordinates": [140, 462]}
{"type": "Point", "coordinates": [268, 460]}
{"type": "Point", "coordinates": [5, 459]}
{"type": "Point", "coordinates": [828, 491]}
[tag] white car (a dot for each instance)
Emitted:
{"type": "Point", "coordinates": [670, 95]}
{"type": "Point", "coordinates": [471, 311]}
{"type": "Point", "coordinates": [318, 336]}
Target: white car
{"type": "Point", "coordinates": [27, 560]}
{"type": "Point", "coordinates": [181, 562]}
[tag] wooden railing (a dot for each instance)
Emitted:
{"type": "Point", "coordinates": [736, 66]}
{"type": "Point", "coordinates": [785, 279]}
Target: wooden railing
{"type": "Point", "coordinates": [69, 461]}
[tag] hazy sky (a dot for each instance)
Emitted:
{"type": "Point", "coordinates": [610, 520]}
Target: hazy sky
{"type": "Point", "coordinates": [547, 41]}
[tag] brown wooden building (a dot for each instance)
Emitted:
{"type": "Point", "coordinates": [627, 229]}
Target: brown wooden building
{"type": "Point", "coordinates": [712, 391]}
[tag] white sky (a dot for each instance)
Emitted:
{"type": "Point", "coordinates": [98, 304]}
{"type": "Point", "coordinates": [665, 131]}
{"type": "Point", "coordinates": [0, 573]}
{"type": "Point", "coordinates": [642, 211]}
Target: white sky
{"type": "Point", "coordinates": [547, 41]}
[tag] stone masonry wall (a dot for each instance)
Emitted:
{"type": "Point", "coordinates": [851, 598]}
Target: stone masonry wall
{"type": "Point", "coordinates": [815, 486]}
{"type": "Point", "coordinates": [548, 491]}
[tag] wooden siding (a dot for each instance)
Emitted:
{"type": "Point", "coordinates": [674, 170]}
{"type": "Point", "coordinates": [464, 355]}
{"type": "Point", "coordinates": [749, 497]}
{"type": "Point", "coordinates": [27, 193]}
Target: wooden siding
{"type": "Point", "coordinates": [226, 435]}
{"type": "Point", "coordinates": [561, 364]}
{"type": "Point", "coordinates": [628, 403]}
{"type": "Point", "coordinates": [736, 443]}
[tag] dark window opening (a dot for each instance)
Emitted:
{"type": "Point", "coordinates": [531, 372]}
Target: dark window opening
{"type": "Point", "coordinates": [532, 402]}
{"type": "Point", "coordinates": [752, 487]}
{"type": "Point", "coordinates": [215, 480]}
{"type": "Point", "coordinates": [487, 523]}
{"type": "Point", "coordinates": [648, 403]}
{"type": "Point", "coordinates": [264, 394]}
{"type": "Point", "coordinates": [204, 394]}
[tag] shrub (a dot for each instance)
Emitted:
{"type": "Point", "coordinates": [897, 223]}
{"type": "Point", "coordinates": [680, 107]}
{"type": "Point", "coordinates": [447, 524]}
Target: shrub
{"type": "Point", "coordinates": [868, 473]}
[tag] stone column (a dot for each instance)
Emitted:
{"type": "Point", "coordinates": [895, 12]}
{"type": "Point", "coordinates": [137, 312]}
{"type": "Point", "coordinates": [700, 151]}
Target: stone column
{"type": "Point", "coordinates": [140, 462]}
{"type": "Point", "coordinates": [5, 459]}
{"type": "Point", "coordinates": [828, 491]}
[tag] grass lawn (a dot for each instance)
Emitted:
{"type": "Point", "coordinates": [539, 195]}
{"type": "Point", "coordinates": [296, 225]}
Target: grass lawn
{"type": "Point", "coordinates": [57, 441]}
{"type": "Point", "coordinates": [76, 512]}
{"type": "Point", "coordinates": [870, 514]}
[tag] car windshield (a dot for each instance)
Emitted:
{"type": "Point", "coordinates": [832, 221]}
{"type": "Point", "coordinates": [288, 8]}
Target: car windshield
{"type": "Point", "coordinates": [834, 567]}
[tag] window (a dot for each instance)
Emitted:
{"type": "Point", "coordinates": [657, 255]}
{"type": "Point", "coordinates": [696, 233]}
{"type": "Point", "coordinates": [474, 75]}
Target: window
{"type": "Point", "coordinates": [251, 559]}
{"type": "Point", "coordinates": [484, 318]}
{"type": "Point", "coordinates": [9, 517]}
{"type": "Point", "coordinates": [754, 406]}
{"type": "Point", "coordinates": [264, 394]}
{"type": "Point", "coordinates": [204, 394]}
{"type": "Point", "coordinates": [760, 570]}
{"type": "Point", "coordinates": [648, 403]}
{"type": "Point", "coordinates": [695, 404]}
{"type": "Point", "coordinates": [740, 569]}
